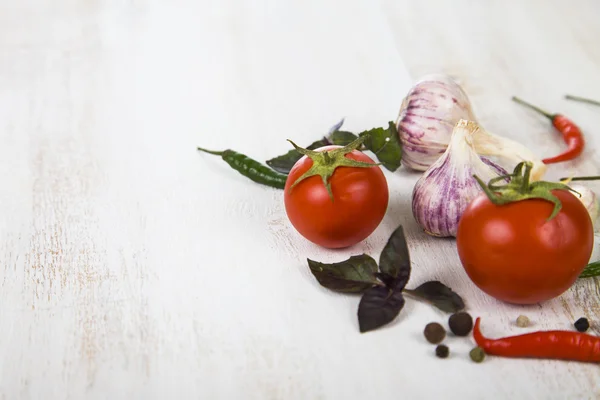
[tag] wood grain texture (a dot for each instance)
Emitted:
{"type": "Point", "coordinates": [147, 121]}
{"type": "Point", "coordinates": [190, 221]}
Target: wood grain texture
{"type": "Point", "coordinates": [132, 267]}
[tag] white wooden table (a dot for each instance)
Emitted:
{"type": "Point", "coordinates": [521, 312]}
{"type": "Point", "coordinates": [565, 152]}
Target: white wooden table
{"type": "Point", "coordinates": [133, 267]}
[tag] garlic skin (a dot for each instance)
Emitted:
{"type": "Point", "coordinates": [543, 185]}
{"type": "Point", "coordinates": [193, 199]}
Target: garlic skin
{"type": "Point", "coordinates": [445, 190]}
{"type": "Point", "coordinates": [510, 152]}
{"type": "Point", "coordinates": [590, 201]}
{"type": "Point", "coordinates": [426, 120]}
{"type": "Point", "coordinates": [427, 117]}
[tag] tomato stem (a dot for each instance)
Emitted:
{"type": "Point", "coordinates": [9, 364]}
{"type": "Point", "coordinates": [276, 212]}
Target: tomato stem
{"type": "Point", "coordinates": [521, 188]}
{"type": "Point", "coordinates": [325, 162]}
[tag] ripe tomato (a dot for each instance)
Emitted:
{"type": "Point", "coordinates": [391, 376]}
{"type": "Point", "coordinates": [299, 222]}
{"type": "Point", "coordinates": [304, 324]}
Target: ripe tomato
{"type": "Point", "coordinates": [513, 254]}
{"type": "Point", "coordinates": [360, 199]}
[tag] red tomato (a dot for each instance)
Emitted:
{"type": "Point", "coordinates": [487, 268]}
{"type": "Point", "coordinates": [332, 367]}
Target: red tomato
{"type": "Point", "coordinates": [512, 253]}
{"type": "Point", "coordinates": [360, 199]}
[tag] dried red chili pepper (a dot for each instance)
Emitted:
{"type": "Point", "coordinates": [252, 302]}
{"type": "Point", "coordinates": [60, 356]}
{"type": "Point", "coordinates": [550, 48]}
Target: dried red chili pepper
{"type": "Point", "coordinates": [559, 345]}
{"type": "Point", "coordinates": [571, 134]}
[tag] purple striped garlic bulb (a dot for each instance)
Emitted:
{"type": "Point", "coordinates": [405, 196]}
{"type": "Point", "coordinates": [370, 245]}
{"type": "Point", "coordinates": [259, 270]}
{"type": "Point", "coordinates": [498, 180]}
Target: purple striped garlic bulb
{"type": "Point", "coordinates": [427, 117]}
{"type": "Point", "coordinates": [443, 192]}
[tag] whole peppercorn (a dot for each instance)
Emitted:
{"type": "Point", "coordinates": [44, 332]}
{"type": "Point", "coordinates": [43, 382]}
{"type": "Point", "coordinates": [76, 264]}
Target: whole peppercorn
{"type": "Point", "coordinates": [477, 354]}
{"type": "Point", "coordinates": [582, 324]}
{"type": "Point", "coordinates": [442, 351]}
{"type": "Point", "coordinates": [434, 332]}
{"type": "Point", "coordinates": [460, 323]}
{"type": "Point", "coordinates": [522, 321]}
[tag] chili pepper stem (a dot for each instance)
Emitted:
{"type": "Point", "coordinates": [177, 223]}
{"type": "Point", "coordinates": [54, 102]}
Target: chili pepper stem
{"type": "Point", "coordinates": [535, 108]}
{"type": "Point", "coordinates": [582, 99]}
{"type": "Point", "coordinates": [216, 153]}
{"type": "Point", "coordinates": [581, 178]}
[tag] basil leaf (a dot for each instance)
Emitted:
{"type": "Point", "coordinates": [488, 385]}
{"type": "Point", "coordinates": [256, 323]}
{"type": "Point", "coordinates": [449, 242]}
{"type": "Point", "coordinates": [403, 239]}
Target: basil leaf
{"type": "Point", "coordinates": [439, 295]}
{"type": "Point", "coordinates": [394, 260]}
{"type": "Point", "coordinates": [386, 145]}
{"type": "Point", "coordinates": [355, 275]}
{"type": "Point", "coordinates": [342, 138]}
{"type": "Point", "coordinates": [285, 162]}
{"type": "Point", "coordinates": [336, 127]}
{"type": "Point", "coordinates": [387, 279]}
{"type": "Point", "coordinates": [591, 270]}
{"type": "Point", "coordinates": [378, 306]}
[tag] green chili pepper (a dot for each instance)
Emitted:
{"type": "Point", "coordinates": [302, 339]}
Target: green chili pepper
{"type": "Point", "coordinates": [250, 168]}
{"type": "Point", "coordinates": [591, 270]}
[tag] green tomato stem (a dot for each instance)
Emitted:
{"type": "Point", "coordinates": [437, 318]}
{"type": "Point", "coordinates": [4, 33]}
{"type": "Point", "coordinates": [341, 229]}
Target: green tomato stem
{"type": "Point", "coordinates": [326, 162]}
{"type": "Point", "coordinates": [521, 188]}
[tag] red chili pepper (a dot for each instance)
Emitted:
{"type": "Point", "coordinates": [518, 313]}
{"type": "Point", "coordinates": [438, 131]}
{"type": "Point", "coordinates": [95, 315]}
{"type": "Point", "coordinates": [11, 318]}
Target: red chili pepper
{"type": "Point", "coordinates": [559, 345]}
{"type": "Point", "coordinates": [571, 134]}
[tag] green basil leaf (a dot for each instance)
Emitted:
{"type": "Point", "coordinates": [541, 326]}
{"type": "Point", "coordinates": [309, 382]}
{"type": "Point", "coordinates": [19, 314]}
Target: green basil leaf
{"type": "Point", "coordinates": [394, 260]}
{"type": "Point", "coordinates": [355, 275]}
{"type": "Point", "coordinates": [386, 145]}
{"type": "Point", "coordinates": [439, 295]}
{"type": "Point", "coordinates": [379, 306]}
{"type": "Point", "coordinates": [285, 162]}
{"type": "Point", "coordinates": [342, 138]}
{"type": "Point", "coordinates": [591, 270]}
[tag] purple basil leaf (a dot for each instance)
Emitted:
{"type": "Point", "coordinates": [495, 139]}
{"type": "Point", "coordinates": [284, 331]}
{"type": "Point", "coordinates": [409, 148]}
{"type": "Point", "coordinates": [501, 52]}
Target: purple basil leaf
{"type": "Point", "coordinates": [439, 295]}
{"type": "Point", "coordinates": [378, 307]}
{"type": "Point", "coordinates": [342, 138]}
{"type": "Point", "coordinates": [354, 275]}
{"type": "Point", "coordinates": [336, 127]}
{"type": "Point", "coordinates": [387, 279]}
{"type": "Point", "coordinates": [394, 260]}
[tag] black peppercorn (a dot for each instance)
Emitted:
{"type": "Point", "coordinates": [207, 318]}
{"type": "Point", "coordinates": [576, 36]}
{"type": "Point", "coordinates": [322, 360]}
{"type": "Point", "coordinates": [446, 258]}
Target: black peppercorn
{"type": "Point", "coordinates": [442, 351]}
{"type": "Point", "coordinates": [434, 332]}
{"type": "Point", "coordinates": [582, 324]}
{"type": "Point", "coordinates": [460, 323]}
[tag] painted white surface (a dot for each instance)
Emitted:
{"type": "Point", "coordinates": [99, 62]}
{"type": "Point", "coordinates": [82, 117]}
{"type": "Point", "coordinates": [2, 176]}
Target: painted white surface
{"type": "Point", "coordinates": [133, 267]}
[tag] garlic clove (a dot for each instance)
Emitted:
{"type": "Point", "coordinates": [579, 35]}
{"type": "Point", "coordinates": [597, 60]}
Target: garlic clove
{"type": "Point", "coordinates": [511, 152]}
{"type": "Point", "coordinates": [427, 117]}
{"type": "Point", "coordinates": [590, 201]}
{"type": "Point", "coordinates": [446, 188]}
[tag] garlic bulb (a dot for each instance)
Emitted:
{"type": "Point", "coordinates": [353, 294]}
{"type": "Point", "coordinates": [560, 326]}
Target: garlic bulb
{"type": "Point", "coordinates": [589, 200]}
{"type": "Point", "coordinates": [427, 117]}
{"type": "Point", "coordinates": [443, 192]}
